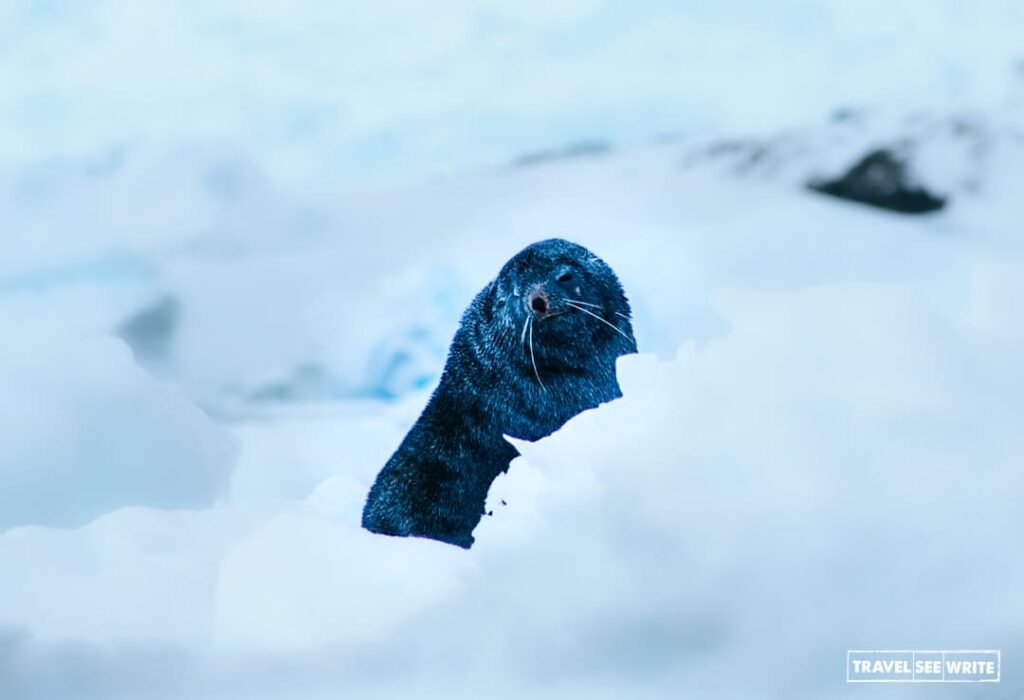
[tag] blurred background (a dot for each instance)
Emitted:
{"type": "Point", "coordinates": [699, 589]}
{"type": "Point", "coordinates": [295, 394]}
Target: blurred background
{"type": "Point", "coordinates": [236, 241]}
{"type": "Point", "coordinates": [320, 96]}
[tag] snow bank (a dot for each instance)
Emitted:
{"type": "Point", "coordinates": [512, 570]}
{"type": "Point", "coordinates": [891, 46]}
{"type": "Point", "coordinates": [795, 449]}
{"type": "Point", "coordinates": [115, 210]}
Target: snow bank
{"type": "Point", "coordinates": [819, 478]}
{"type": "Point", "coordinates": [837, 472]}
{"type": "Point", "coordinates": [84, 431]}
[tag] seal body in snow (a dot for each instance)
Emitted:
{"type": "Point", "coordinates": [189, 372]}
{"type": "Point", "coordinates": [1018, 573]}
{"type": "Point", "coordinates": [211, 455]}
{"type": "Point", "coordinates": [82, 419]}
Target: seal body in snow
{"type": "Point", "coordinates": [535, 347]}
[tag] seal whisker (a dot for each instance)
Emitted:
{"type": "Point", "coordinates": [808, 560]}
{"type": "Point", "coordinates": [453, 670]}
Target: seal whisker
{"type": "Point", "coordinates": [522, 337]}
{"type": "Point", "coordinates": [533, 360]}
{"type": "Point", "coordinates": [625, 316]}
{"type": "Point", "coordinates": [585, 303]}
{"type": "Point", "coordinates": [605, 322]}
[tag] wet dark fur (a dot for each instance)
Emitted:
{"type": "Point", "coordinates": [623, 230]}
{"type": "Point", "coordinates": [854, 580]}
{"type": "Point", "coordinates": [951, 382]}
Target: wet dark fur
{"type": "Point", "coordinates": [436, 483]}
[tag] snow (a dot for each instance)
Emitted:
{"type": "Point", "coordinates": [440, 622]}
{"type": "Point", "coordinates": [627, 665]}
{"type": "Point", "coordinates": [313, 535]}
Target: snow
{"type": "Point", "coordinates": [332, 92]}
{"type": "Point", "coordinates": [818, 447]}
{"type": "Point", "coordinates": [87, 432]}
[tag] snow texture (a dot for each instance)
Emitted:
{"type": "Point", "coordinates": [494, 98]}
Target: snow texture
{"type": "Point", "coordinates": [818, 447]}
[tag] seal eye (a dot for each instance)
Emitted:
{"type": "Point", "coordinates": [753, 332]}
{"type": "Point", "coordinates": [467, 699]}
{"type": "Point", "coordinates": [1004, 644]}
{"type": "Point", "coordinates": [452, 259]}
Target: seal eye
{"type": "Point", "coordinates": [564, 276]}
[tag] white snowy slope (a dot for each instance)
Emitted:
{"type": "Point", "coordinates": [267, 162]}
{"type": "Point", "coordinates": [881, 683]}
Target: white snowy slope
{"type": "Point", "coordinates": [818, 447]}
{"type": "Point", "coordinates": [327, 91]}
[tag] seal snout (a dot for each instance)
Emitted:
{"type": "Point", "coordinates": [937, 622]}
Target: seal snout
{"type": "Point", "coordinates": [539, 303]}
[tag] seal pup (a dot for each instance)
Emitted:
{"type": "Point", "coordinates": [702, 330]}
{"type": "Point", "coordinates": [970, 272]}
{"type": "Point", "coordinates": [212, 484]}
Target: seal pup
{"type": "Point", "coordinates": [535, 347]}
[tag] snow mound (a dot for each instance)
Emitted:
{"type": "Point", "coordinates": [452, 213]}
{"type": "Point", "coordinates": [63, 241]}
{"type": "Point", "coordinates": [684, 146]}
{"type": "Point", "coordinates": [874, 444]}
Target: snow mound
{"type": "Point", "coordinates": [84, 431]}
{"type": "Point", "coordinates": [831, 468]}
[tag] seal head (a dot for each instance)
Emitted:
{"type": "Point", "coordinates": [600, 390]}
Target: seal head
{"type": "Point", "coordinates": [535, 347]}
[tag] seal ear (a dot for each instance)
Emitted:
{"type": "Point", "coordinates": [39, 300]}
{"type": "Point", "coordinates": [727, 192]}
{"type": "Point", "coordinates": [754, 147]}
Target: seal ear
{"type": "Point", "coordinates": [495, 301]}
{"type": "Point", "coordinates": [498, 300]}
{"type": "Point", "coordinates": [490, 302]}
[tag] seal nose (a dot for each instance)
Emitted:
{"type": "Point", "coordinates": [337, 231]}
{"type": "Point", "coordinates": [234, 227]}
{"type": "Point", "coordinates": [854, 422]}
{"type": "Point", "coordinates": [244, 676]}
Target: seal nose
{"type": "Point", "coordinates": [538, 301]}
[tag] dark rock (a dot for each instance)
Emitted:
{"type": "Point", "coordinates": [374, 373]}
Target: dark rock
{"type": "Point", "coordinates": [881, 179]}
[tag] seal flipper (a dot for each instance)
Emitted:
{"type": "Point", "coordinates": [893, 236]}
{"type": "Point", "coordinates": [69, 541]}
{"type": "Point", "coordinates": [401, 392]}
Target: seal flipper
{"type": "Point", "coordinates": [419, 496]}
